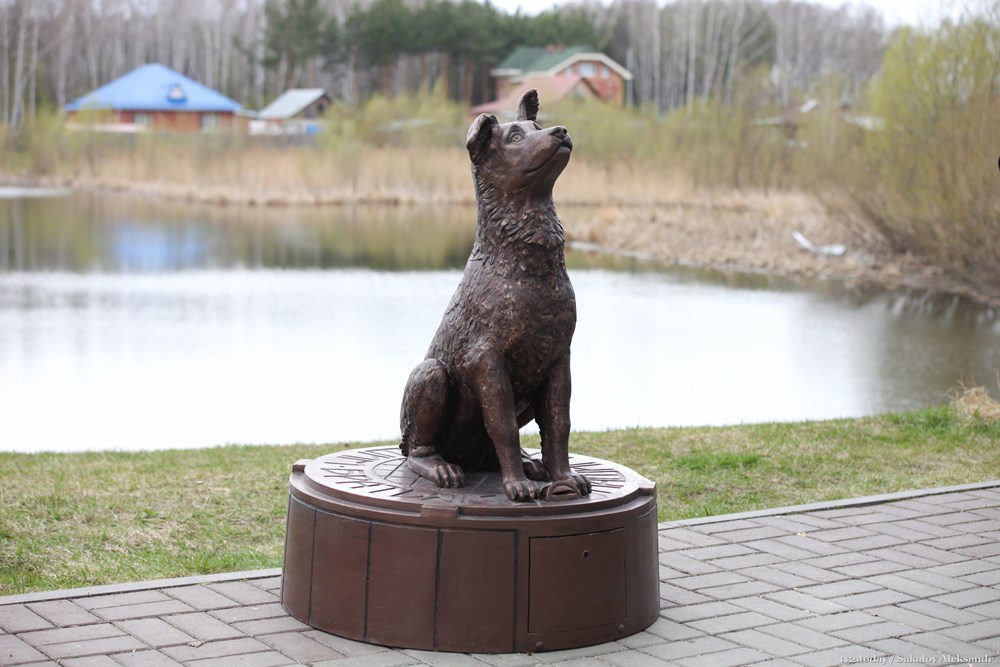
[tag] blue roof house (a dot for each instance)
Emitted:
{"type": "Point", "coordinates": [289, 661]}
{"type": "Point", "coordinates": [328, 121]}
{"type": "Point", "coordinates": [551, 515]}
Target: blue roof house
{"type": "Point", "coordinates": [157, 97]}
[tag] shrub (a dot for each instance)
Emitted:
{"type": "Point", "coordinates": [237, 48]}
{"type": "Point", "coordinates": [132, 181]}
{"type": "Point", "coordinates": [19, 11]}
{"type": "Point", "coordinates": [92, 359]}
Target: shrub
{"type": "Point", "coordinates": [420, 120]}
{"type": "Point", "coordinates": [927, 182]}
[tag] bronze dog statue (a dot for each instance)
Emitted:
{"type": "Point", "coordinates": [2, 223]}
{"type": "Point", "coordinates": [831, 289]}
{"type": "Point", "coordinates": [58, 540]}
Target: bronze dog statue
{"type": "Point", "coordinates": [500, 357]}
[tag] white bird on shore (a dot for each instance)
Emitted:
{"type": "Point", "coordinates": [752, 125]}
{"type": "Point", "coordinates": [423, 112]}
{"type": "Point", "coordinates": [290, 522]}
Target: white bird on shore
{"type": "Point", "coordinates": [834, 250]}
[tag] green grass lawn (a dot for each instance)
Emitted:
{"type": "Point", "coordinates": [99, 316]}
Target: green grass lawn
{"type": "Point", "coordinates": [70, 520]}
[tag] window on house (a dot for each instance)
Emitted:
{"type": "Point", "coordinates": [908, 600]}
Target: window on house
{"type": "Point", "coordinates": [144, 119]}
{"type": "Point", "coordinates": [210, 122]}
{"type": "Point", "coordinates": [587, 70]}
{"type": "Point", "coordinates": [605, 72]}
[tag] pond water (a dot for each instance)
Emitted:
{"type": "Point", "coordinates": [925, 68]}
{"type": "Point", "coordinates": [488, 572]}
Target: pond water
{"type": "Point", "coordinates": [128, 323]}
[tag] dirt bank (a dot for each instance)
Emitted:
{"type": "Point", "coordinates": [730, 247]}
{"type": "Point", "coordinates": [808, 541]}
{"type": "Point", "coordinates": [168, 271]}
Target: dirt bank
{"type": "Point", "coordinates": [754, 233]}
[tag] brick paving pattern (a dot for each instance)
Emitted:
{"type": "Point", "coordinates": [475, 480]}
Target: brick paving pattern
{"type": "Point", "coordinates": [900, 581]}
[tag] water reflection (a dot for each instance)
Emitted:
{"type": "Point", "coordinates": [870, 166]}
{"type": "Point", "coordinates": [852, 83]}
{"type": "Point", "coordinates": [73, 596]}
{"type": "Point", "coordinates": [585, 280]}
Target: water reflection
{"type": "Point", "coordinates": [119, 233]}
{"type": "Point", "coordinates": [131, 324]}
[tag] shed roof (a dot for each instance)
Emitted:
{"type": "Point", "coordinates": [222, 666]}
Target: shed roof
{"type": "Point", "coordinates": [290, 103]}
{"type": "Point", "coordinates": [154, 87]}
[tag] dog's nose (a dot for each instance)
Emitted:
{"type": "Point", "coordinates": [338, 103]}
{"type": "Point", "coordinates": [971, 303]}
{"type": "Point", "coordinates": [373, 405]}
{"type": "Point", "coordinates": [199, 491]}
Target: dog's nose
{"type": "Point", "coordinates": [562, 134]}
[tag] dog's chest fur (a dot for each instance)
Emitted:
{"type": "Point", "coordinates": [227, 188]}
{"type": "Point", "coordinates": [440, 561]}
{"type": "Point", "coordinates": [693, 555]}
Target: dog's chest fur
{"type": "Point", "coordinates": [515, 295]}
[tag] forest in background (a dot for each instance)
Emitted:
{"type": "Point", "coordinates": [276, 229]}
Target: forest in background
{"type": "Point", "coordinates": [53, 51]}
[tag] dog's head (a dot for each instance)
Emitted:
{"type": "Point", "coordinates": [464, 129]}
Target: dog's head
{"type": "Point", "coordinates": [518, 156]}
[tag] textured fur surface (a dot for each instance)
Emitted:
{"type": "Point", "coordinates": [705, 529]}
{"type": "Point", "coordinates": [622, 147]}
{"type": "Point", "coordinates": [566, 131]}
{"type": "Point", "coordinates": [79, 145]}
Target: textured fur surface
{"type": "Point", "coordinates": [501, 355]}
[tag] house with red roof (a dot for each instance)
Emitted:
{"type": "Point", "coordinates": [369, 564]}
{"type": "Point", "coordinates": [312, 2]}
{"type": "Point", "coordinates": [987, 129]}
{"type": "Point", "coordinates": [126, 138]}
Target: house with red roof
{"type": "Point", "coordinates": [558, 73]}
{"type": "Point", "coordinates": [159, 98]}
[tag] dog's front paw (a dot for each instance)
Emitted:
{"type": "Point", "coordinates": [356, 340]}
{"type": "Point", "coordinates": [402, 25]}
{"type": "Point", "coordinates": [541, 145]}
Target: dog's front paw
{"type": "Point", "coordinates": [436, 469]}
{"type": "Point", "coordinates": [577, 480]}
{"type": "Point", "coordinates": [520, 490]}
{"type": "Point", "coordinates": [449, 476]}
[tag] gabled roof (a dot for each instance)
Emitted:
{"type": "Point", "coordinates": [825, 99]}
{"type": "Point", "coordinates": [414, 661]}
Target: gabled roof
{"type": "Point", "coordinates": [551, 90]}
{"type": "Point", "coordinates": [554, 58]}
{"type": "Point", "coordinates": [154, 88]}
{"type": "Point", "coordinates": [538, 58]}
{"type": "Point", "coordinates": [290, 103]}
{"type": "Point", "coordinates": [549, 61]}
{"type": "Point", "coordinates": [521, 57]}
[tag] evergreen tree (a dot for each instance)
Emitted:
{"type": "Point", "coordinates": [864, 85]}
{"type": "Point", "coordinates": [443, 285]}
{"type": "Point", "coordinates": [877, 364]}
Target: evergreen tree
{"type": "Point", "coordinates": [296, 34]}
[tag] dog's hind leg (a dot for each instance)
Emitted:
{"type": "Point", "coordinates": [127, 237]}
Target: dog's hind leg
{"type": "Point", "coordinates": [533, 468]}
{"type": "Point", "coordinates": [422, 418]}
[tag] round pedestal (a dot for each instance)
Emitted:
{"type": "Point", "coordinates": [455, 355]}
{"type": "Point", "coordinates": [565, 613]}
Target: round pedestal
{"type": "Point", "coordinates": [376, 553]}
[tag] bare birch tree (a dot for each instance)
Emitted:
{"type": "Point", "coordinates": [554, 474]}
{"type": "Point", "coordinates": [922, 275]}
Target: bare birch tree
{"type": "Point", "coordinates": [53, 51]}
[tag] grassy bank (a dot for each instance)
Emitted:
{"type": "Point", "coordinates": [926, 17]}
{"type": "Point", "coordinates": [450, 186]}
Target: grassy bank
{"type": "Point", "coordinates": [69, 520]}
{"type": "Point", "coordinates": [235, 170]}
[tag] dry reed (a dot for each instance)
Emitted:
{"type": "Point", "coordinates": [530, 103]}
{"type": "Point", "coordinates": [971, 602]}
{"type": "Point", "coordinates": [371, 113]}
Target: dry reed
{"type": "Point", "coordinates": [976, 403]}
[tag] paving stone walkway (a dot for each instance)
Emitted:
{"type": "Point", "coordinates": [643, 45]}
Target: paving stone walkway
{"type": "Point", "coordinates": [891, 580]}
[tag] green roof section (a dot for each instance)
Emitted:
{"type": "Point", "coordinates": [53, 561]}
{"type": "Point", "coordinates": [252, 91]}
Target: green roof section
{"type": "Point", "coordinates": [549, 60]}
{"type": "Point", "coordinates": [521, 57]}
{"type": "Point", "coordinates": [540, 58]}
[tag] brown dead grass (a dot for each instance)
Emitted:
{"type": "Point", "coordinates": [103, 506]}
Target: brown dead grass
{"type": "Point", "coordinates": [267, 176]}
{"type": "Point", "coordinates": [976, 403]}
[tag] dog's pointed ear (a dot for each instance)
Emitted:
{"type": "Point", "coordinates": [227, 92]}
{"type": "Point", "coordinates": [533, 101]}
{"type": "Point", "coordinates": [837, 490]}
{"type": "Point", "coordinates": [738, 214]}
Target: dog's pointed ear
{"type": "Point", "coordinates": [527, 106]}
{"type": "Point", "coordinates": [480, 133]}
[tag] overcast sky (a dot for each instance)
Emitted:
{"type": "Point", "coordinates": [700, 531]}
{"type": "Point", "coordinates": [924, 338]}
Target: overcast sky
{"type": "Point", "coordinates": [911, 12]}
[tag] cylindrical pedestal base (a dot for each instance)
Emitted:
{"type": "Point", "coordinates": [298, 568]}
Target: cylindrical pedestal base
{"type": "Point", "coordinates": [375, 553]}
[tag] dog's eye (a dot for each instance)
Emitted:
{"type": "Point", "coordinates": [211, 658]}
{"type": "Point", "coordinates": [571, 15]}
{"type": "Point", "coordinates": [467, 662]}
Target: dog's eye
{"type": "Point", "coordinates": [515, 137]}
